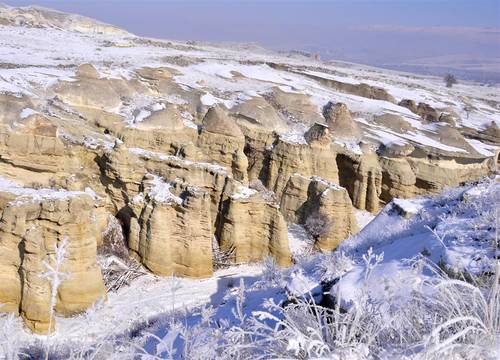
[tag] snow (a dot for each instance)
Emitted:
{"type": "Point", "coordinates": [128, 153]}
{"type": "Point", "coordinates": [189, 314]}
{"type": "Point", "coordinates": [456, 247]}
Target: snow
{"type": "Point", "coordinates": [187, 119]}
{"type": "Point", "coordinates": [299, 284]}
{"type": "Point", "coordinates": [143, 114]}
{"type": "Point", "coordinates": [41, 62]}
{"type": "Point", "coordinates": [27, 112]}
{"type": "Point", "coordinates": [410, 207]}
{"type": "Point", "coordinates": [363, 218]}
{"type": "Point", "coordinates": [30, 195]}
{"type": "Point", "coordinates": [160, 192]}
{"type": "Point", "coordinates": [148, 297]}
{"type": "Point", "coordinates": [158, 156]}
{"type": "Point", "coordinates": [386, 275]}
{"type": "Point", "coordinates": [442, 228]}
{"type": "Point", "coordinates": [482, 148]}
{"type": "Point", "coordinates": [298, 239]}
{"type": "Point", "coordinates": [349, 145]}
{"type": "Point", "coordinates": [243, 192]}
{"type": "Point", "coordinates": [209, 100]}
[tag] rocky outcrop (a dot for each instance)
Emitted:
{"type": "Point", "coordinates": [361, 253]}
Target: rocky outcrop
{"type": "Point", "coordinates": [424, 110]}
{"type": "Point", "coordinates": [340, 121]}
{"type": "Point", "coordinates": [169, 234]}
{"type": "Point", "coordinates": [222, 142]}
{"type": "Point", "coordinates": [307, 196]}
{"type": "Point", "coordinates": [286, 158]}
{"type": "Point", "coordinates": [154, 147]}
{"type": "Point", "coordinates": [33, 223]}
{"type": "Point", "coordinates": [363, 90]}
{"type": "Point", "coordinates": [361, 175]}
{"type": "Point", "coordinates": [258, 112]}
{"type": "Point", "coordinates": [293, 106]}
{"type": "Point", "coordinates": [252, 228]}
{"type": "Point", "coordinates": [318, 135]}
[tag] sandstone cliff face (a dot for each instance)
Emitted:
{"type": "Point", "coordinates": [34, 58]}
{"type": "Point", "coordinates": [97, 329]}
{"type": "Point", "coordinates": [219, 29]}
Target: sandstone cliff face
{"type": "Point", "coordinates": [172, 235]}
{"type": "Point", "coordinates": [340, 121]}
{"type": "Point", "coordinates": [206, 204]}
{"type": "Point", "coordinates": [238, 234]}
{"type": "Point", "coordinates": [361, 175]}
{"type": "Point", "coordinates": [222, 141]}
{"type": "Point", "coordinates": [287, 158]}
{"type": "Point", "coordinates": [32, 223]}
{"type": "Point", "coordinates": [304, 196]}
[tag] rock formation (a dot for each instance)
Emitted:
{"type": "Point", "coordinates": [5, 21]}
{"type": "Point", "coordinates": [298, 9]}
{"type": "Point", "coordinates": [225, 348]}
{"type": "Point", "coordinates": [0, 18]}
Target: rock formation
{"type": "Point", "coordinates": [33, 223]}
{"type": "Point", "coordinates": [239, 235]}
{"type": "Point", "coordinates": [339, 119]}
{"type": "Point", "coordinates": [304, 196]}
{"type": "Point", "coordinates": [191, 152]}
{"type": "Point", "coordinates": [169, 234]}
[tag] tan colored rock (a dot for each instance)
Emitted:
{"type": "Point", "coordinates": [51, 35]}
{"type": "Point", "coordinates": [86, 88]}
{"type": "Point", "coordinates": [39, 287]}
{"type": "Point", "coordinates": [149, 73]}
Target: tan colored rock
{"type": "Point", "coordinates": [361, 175]}
{"type": "Point", "coordinates": [394, 122]}
{"type": "Point", "coordinates": [209, 178]}
{"type": "Point", "coordinates": [427, 112]}
{"type": "Point", "coordinates": [493, 132]}
{"type": "Point", "coordinates": [253, 229]}
{"type": "Point", "coordinates": [87, 71]}
{"type": "Point", "coordinates": [174, 235]}
{"type": "Point", "coordinates": [157, 74]}
{"type": "Point", "coordinates": [217, 121]}
{"type": "Point", "coordinates": [448, 117]}
{"type": "Point", "coordinates": [435, 174]}
{"type": "Point", "coordinates": [258, 112]}
{"type": "Point", "coordinates": [409, 104]}
{"type": "Point", "coordinates": [32, 223]}
{"type": "Point", "coordinates": [102, 94]}
{"type": "Point", "coordinates": [304, 196]}
{"type": "Point", "coordinates": [294, 106]}
{"type": "Point", "coordinates": [398, 179]}
{"type": "Point", "coordinates": [169, 119]}
{"type": "Point", "coordinates": [318, 135]}
{"type": "Point", "coordinates": [222, 142]}
{"type": "Point", "coordinates": [285, 159]}
{"type": "Point", "coordinates": [364, 90]}
{"type": "Point", "coordinates": [340, 121]}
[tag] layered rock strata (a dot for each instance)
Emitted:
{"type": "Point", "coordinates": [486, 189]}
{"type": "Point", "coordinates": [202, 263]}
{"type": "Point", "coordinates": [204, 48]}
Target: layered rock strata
{"type": "Point", "coordinates": [33, 223]}
{"type": "Point", "coordinates": [307, 196]}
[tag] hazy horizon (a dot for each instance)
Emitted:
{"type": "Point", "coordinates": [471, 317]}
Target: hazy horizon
{"type": "Point", "coordinates": [430, 36]}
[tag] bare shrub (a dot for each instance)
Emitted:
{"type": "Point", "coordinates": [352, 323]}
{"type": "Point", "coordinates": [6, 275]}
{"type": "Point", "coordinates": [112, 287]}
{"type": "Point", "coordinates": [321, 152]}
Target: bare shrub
{"type": "Point", "coordinates": [318, 224]}
{"type": "Point", "coordinates": [113, 241]}
{"type": "Point", "coordinates": [221, 258]}
{"type": "Point", "coordinates": [118, 269]}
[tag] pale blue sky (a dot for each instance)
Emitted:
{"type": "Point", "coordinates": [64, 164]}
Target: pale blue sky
{"type": "Point", "coordinates": [380, 32]}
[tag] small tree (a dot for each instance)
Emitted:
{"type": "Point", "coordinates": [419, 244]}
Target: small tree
{"type": "Point", "coordinates": [450, 80]}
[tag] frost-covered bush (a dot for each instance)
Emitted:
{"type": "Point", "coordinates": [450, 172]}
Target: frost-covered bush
{"type": "Point", "coordinates": [318, 224]}
{"type": "Point", "coordinates": [333, 265]}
